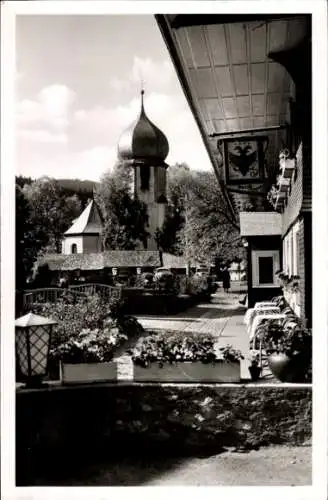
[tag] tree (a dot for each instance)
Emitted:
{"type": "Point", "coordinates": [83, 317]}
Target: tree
{"type": "Point", "coordinates": [125, 218]}
{"type": "Point", "coordinates": [178, 180]}
{"type": "Point", "coordinates": [51, 210]}
{"type": "Point", "coordinates": [205, 228]}
{"type": "Point", "coordinates": [28, 240]}
{"type": "Point", "coordinates": [21, 180]}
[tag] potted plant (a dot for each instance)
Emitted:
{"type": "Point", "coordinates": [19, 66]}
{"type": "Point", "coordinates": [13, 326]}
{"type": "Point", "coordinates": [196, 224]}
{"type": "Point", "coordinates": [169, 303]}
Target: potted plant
{"type": "Point", "coordinates": [283, 279]}
{"type": "Point", "coordinates": [272, 195]}
{"type": "Point", "coordinates": [286, 164]}
{"type": "Point", "coordinates": [177, 357]}
{"type": "Point", "coordinates": [289, 349]}
{"type": "Point", "coordinates": [88, 356]}
{"type": "Point", "coordinates": [255, 367]}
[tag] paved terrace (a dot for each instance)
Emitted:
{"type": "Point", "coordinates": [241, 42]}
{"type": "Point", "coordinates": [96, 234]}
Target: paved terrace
{"type": "Point", "coordinates": [222, 317]}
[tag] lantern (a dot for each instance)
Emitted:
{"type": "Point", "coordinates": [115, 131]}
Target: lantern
{"type": "Point", "coordinates": [33, 338]}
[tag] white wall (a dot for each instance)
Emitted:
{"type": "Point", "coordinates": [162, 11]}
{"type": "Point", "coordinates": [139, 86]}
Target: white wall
{"type": "Point", "coordinates": [156, 211]}
{"type": "Point", "coordinates": [85, 244]}
{"type": "Point", "coordinates": [69, 241]}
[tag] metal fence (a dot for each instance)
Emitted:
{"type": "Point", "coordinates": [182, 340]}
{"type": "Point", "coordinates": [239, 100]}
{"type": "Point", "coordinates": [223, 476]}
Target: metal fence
{"type": "Point", "coordinates": [43, 295]}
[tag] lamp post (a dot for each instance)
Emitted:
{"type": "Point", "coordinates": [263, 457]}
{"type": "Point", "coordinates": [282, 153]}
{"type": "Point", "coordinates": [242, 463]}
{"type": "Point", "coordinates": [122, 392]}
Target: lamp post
{"type": "Point", "coordinates": [33, 338]}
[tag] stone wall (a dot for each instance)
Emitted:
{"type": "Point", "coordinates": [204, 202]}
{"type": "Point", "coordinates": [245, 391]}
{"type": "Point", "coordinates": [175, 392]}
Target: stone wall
{"type": "Point", "coordinates": [67, 425]}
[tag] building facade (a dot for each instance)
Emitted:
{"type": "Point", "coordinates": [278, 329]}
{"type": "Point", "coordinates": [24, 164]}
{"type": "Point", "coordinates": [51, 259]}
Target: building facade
{"type": "Point", "coordinates": [247, 79]}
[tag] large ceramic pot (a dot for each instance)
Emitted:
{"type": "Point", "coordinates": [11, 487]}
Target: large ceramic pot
{"type": "Point", "coordinates": [289, 368]}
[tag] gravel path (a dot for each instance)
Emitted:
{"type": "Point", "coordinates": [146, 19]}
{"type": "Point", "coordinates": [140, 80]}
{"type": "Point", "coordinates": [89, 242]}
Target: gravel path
{"type": "Point", "coordinates": [272, 466]}
{"type": "Point", "coordinates": [279, 466]}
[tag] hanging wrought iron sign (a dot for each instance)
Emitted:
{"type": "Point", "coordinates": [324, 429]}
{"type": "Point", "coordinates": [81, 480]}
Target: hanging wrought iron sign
{"type": "Point", "coordinates": [244, 160]}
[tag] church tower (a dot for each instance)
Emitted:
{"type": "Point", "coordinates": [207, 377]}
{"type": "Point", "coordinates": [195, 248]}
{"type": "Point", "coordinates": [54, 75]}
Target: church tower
{"type": "Point", "coordinates": [145, 148]}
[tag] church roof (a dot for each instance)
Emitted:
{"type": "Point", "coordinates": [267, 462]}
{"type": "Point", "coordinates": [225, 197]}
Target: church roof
{"type": "Point", "coordinates": [97, 261]}
{"type": "Point", "coordinates": [89, 222]}
{"type": "Point", "coordinates": [111, 258]}
{"type": "Point", "coordinates": [143, 141]}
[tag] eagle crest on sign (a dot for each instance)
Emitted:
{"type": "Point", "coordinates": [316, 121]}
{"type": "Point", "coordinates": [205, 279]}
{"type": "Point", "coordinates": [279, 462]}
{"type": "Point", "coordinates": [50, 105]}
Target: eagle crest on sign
{"type": "Point", "coordinates": [243, 157]}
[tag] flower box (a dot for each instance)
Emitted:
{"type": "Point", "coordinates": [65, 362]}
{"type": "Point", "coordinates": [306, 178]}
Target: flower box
{"type": "Point", "coordinates": [283, 184]}
{"type": "Point", "coordinates": [220, 371]}
{"type": "Point", "coordinates": [281, 198]}
{"type": "Point", "coordinates": [86, 373]}
{"type": "Point", "coordinates": [287, 167]}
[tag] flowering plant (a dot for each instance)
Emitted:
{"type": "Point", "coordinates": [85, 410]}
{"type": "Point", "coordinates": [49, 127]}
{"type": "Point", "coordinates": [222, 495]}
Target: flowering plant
{"type": "Point", "coordinates": [175, 347]}
{"type": "Point", "coordinates": [289, 283]}
{"type": "Point", "coordinates": [290, 337]}
{"type": "Point", "coordinates": [272, 195]}
{"type": "Point", "coordinates": [292, 284]}
{"type": "Point", "coordinates": [90, 346]}
{"type": "Point", "coordinates": [231, 354]}
{"type": "Point", "coordinates": [254, 357]}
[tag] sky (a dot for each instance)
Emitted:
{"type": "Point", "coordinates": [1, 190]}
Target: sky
{"type": "Point", "coordinates": [78, 82]}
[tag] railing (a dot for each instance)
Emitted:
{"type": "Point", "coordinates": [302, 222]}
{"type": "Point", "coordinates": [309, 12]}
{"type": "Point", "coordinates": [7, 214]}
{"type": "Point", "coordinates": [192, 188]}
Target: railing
{"type": "Point", "coordinates": [42, 295]}
{"type": "Point", "coordinates": [105, 291]}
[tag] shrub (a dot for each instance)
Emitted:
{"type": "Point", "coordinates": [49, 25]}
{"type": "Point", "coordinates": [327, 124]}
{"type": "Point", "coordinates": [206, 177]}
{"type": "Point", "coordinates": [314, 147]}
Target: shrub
{"type": "Point", "coordinates": [77, 313]}
{"type": "Point", "coordinates": [90, 346]}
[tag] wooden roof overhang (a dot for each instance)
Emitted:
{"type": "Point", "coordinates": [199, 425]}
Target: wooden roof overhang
{"type": "Point", "coordinates": [229, 71]}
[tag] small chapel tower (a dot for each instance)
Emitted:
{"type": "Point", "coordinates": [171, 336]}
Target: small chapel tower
{"type": "Point", "coordinates": [145, 148]}
{"type": "Point", "coordinates": [84, 236]}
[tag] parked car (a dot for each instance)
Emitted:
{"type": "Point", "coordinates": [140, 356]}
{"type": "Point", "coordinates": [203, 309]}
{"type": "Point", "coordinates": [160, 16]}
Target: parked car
{"type": "Point", "coordinates": [202, 270]}
{"type": "Point", "coordinates": [147, 280]}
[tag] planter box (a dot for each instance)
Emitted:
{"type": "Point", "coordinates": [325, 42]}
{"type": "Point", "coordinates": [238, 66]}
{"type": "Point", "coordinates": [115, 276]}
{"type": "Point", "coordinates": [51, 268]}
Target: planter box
{"type": "Point", "coordinates": [86, 373]}
{"type": "Point", "coordinates": [192, 372]}
{"type": "Point", "coordinates": [283, 184]}
{"type": "Point", "coordinates": [287, 168]}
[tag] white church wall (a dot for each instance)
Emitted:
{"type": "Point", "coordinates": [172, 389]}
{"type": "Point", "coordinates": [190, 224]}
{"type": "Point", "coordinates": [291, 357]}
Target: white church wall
{"type": "Point", "coordinates": [72, 240]}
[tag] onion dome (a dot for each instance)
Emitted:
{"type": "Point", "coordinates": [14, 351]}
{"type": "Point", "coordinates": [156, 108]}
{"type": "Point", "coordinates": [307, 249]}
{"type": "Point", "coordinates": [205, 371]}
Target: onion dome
{"type": "Point", "coordinates": [143, 141]}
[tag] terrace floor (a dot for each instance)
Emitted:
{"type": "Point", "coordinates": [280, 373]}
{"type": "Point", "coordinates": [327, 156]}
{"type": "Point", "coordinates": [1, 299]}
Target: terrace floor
{"type": "Point", "coordinates": [272, 466]}
{"type": "Point", "coordinates": [222, 317]}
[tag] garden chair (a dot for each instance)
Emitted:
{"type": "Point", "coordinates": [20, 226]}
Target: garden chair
{"type": "Point", "coordinates": [263, 304]}
{"type": "Point", "coordinates": [260, 318]}
{"type": "Point", "coordinates": [251, 313]}
{"type": "Point", "coordinates": [257, 313]}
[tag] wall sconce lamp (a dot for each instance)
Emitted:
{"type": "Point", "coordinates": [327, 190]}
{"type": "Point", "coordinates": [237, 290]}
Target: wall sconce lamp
{"type": "Point", "coordinates": [33, 339]}
{"type": "Point", "coordinates": [244, 242]}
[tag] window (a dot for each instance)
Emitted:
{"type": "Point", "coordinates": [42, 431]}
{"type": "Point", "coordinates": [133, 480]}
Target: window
{"type": "Point", "coordinates": [295, 249]}
{"type": "Point", "coordinates": [265, 263]}
{"type": "Point", "coordinates": [290, 251]}
{"type": "Point", "coordinates": [74, 248]}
